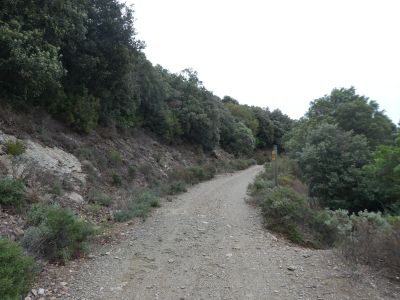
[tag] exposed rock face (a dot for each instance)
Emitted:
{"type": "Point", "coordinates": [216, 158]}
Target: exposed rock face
{"type": "Point", "coordinates": [51, 160]}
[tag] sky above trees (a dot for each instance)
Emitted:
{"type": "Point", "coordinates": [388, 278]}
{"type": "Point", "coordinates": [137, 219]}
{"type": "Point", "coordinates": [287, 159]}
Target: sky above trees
{"type": "Point", "coordinates": [278, 54]}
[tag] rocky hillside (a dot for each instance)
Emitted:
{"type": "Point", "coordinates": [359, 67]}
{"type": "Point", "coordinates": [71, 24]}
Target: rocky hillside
{"type": "Point", "coordinates": [63, 167]}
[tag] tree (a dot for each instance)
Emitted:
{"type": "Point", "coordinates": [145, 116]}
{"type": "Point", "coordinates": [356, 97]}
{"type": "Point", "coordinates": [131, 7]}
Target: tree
{"type": "Point", "coordinates": [244, 114]}
{"type": "Point", "coordinates": [235, 138]}
{"type": "Point", "coordinates": [331, 161]}
{"type": "Point", "coordinates": [353, 112]}
{"type": "Point", "coordinates": [382, 178]}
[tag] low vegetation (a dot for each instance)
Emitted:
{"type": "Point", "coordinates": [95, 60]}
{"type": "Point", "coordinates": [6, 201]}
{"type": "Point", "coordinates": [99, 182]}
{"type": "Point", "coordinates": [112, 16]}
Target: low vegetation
{"type": "Point", "coordinates": [14, 148]}
{"type": "Point", "coordinates": [12, 193]}
{"type": "Point", "coordinates": [365, 237]}
{"type": "Point", "coordinates": [55, 233]}
{"type": "Point", "coordinates": [17, 271]}
{"type": "Point", "coordinates": [138, 207]}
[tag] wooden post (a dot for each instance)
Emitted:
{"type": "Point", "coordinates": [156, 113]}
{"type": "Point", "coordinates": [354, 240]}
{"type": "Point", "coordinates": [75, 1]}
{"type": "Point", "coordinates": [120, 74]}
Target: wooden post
{"type": "Point", "coordinates": [275, 164]}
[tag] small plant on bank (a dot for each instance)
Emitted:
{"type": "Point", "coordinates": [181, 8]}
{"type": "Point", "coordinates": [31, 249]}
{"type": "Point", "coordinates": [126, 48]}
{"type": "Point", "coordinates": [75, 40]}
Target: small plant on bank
{"type": "Point", "coordinates": [57, 188]}
{"type": "Point", "coordinates": [15, 148]}
{"type": "Point", "coordinates": [139, 207]}
{"type": "Point", "coordinates": [100, 199]}
{"type": "Point", "coordinates": [116, 179]}
{"type": "Point", "coordinates": [55, 233]}
{"type": "Point", "coordinates": [115, 158]}
{"type": "Point", "coordinates": [12, 193]}
{"type": "Point", "coordinates": [132, 172]}
{"type": "Point", "coordinates": [177, 188]}
{"type": "Point", "coordinates": [17, 271]}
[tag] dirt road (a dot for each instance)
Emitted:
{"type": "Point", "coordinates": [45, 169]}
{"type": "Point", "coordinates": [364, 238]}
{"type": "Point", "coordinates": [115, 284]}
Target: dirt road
{"type": "Point", "coordinates": [209, 244]}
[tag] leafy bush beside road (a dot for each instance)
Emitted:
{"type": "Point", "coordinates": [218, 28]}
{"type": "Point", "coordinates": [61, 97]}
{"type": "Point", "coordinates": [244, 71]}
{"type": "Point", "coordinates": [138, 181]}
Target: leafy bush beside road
{"type": "Point", "coordinates": [55, 233]}
{"type": "Point", "coordinates": [17, 271]}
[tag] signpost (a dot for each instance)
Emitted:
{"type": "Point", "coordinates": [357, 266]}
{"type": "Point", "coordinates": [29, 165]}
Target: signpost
{"type": "Point", "coordinates": [274, 159]}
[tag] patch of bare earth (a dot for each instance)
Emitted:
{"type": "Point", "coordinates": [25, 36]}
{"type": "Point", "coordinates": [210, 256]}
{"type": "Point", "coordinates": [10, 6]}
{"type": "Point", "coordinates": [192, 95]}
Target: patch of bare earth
{"type": "Point", "coordinates": [209, 244]}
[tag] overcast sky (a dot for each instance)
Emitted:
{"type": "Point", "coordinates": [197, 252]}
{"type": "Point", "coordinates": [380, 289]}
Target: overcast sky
{"type": "Point", "coordinates": [282, 53]}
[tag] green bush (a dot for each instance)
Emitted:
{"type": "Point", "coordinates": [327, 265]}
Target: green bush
{"type": "Point", "coordinates": [289, 212]}
{"type": "Point", "coordinates": [286, 211]}
{"type": "Point", "coordinates": [138, 207]}
{"type": "Point", "coordinates": [100, 199]}
{"type": "Point", "coordinates": [177, 188]}
{"type": "Point", "coordinates": [262, 157]}
{"type": "Point", "coordinates": [330, 227]}
{"type": "Point", "coordinates": [260, 184]}
{"type": "Point", "coordinates": [132, 172]}
{"type": "Point", "coordinates": [115, 158]}
{"type": "Point", "coordinates": [12, 192]}
{"type": "Point", "coordinates": [116, 179]}
{"type": "Point", "coordinates": [17, 271]}
{"type": "Point", "coordinates": [194, 174]}
{"type": "Point", "coordinates": [242, 164]}
{"type": "Point", "coordinates": [55, 233]}
{"type": "Point", "coordinates": [15, 148]}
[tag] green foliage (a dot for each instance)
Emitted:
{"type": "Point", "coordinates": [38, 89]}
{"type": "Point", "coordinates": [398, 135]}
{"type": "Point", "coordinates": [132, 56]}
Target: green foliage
{"type": "Point", "coordinates": [81, 62]}
{"type": "Point", "coordinates": [260, 185]}
{"type": "Point", "coordinates": [355, 113]}
{"type": "Point", "coordinates": [132, 172]}
{"type": "Point", "coordinates": [55, 233]}
{"type": "Point", "coordinates": [80, 111]}
{"type": "Point", "coordinates": [244, 115]}
{"type": "Point", "coordinates": [56, 188]}
{"type": "Point", "coordinates": [100, 199]}
{"type": "Point", "coordinates": [116, 179]}
{"type": "Point", "coordinates": [139, 207]}
{"type": "Point", "coordinates": [330, 227]}
{"type": "Point", "coordinates": [15, 148]}
{"type": "Point", "coordinates": [331, 162]}
{"type": "Point", "coordinates": [12, 193]}
{"type": "Point", "coordinates": [177, 188]}
{"type": "Point", "coordinates": [241, 141]}
{"type": "Point", "coordinates": [382, 178]}
{"type": "Point", "coordinates": [17, 271]}
{"type": "Point", "coordinates": [29, 64]}
{"type": "Point", "coordinates": [194, 174]}
{"type": "Point", "coordinates": [289, 212]}
{"type": "Point", "coordinates": [115, 158]}
{"type": "Point", "coordinates": [241, 164]}
{"type": "Point", "coordinates": [286, 211]}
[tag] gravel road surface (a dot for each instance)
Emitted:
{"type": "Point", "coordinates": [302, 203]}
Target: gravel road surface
{"type": "Point", "coordinates": [210, 244]}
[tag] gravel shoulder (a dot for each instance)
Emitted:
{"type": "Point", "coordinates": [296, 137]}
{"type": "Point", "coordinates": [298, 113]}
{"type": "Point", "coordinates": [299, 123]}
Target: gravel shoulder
{"type": "Point", "coordinates": [209, 244]}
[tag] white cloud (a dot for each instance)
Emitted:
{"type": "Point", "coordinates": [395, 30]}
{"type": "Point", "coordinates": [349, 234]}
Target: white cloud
{"type": "Point", "coordinates": [280, 54]}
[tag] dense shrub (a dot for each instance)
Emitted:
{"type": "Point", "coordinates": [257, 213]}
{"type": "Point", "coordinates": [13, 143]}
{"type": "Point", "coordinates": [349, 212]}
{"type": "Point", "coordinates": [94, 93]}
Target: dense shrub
{"type": "Point", "coordinates": [331, 227]}
{"type": "Point", "coordinates": [286, 211]}
{"type": "Point", "coordinates": [260, 184]}
{"type": "Point", "coordinates": [17, 271]}
{"type": "Point", "coordinates": [12, 192]}
{"type": "Point", "coordinates": [139, 207]}
{"type": "Point", "coordinates": [331, 162]}
{"type": "Point", "coordinates": [55, 233]}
